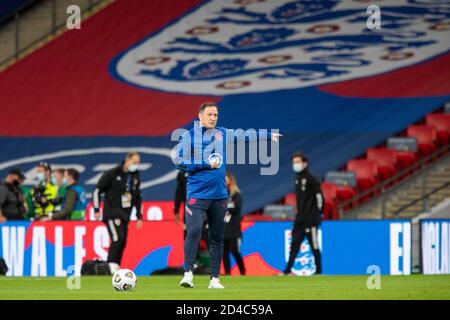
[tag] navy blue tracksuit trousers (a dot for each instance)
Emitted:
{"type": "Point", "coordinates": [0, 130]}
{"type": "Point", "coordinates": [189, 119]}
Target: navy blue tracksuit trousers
{"type": "Point", "coordinates": [196, 210]}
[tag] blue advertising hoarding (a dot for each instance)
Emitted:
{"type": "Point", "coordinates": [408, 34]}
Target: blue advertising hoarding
{"type": "Point", "coordinates": [351, 247]}
{"type": "Point", "coordinates": [435, 246]}
{"type": "Point", "coordinates": [348, 247]}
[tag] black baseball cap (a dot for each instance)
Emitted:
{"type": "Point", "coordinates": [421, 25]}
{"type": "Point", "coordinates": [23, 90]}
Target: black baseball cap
{"type": "Point", "coordinates": [18, 172]}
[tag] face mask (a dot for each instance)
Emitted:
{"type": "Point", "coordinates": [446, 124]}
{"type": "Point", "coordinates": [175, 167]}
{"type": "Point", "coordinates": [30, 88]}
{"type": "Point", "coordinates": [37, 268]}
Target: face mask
{"type": "Point", "coordinates": [16, 183]}
{"type": "Point", "coordinates": [41, 177]}
{"type": "Point", "coordinates": [53, 180]}
{"type": "Point", "coordinates": [132, 167]}
{"type": "Point", "coordinates": [64, 181]}
{"type": "Point", "coordinates": [298, 167]}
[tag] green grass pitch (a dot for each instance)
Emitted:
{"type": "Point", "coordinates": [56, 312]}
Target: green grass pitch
{"type": "Point", "coordinates": [239, 288]}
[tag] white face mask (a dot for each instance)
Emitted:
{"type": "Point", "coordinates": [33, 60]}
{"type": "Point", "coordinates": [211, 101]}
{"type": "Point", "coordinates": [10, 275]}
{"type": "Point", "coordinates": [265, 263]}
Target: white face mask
{"type": "Point", "coordinates": [298, 167]}
{"type": "Point", "coordinates": [132, 167]}
{"type": "Point", "coordinates": [40, 176]}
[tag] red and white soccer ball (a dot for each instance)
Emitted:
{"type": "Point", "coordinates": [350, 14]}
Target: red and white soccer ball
{"type": "Point", "coordinates": [124, 280]}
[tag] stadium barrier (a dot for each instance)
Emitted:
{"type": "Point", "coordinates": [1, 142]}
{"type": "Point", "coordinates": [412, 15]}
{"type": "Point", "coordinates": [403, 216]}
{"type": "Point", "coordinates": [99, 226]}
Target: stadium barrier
{"type": "Point", "coordinates": [348, 247]}
{"type": "Point", "coordinates": [60, 248]}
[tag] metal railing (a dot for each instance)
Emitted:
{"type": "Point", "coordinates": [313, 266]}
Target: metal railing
{"type": "Point", "coordinates": [17, 43]}
{"type": "Point", "coordinates": [373, 203]}
{"type": "Point", "coordinates": [425, 199]}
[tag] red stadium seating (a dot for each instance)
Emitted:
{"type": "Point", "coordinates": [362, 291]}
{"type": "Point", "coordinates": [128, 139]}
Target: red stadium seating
{"type": "Point", "coordinates": [366, 173]}
{"type": "Point", "coordinates": [405, 158]}
{"type": "Point", "coordinates": [386, 160]}
{"type": "Point", "coordinates": [345, 193]}
{"type": "Point", "coordinates": [426, 138]}
{"type": "Point", "coordinates": [329, 191]}
{"type": "Point", "coordinates": [290, 199]}
{"type": "Point", "coordinates": [440, 122]}
{"type": "Point", "coordinates": [382, 163]}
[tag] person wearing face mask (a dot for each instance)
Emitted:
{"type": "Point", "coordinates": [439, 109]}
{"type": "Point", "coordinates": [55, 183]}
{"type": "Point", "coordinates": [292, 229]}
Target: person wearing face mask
{"type": "Point", "coordinates": [11, 197]}
{"type": "Point", "coordinates": [59, 180]}
{"type": "Point", "coordinates": [74, 201]}
{"type": "Point", "coordinates": [309, 210]}
{"type": "Point", "coordinates": [44, 193]}
{"type": "Point", "coordinates": [121, 187]}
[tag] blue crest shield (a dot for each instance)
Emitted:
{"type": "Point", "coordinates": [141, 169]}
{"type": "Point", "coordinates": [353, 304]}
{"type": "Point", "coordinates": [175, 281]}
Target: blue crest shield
{"type": "Point", "coordinates": [229, 47]}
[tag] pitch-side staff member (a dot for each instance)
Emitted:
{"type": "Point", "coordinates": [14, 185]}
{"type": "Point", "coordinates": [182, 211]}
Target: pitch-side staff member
{"type": "Point", "coordinates": [207, 194]}
{"type": "Point", "coordinates": [309, 211]}
{"type": "Point", "coordinates": [121, 186]}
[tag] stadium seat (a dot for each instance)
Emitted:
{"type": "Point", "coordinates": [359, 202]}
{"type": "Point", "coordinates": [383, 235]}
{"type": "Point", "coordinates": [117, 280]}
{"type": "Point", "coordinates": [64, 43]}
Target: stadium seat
{"type": "Point", "coordinates": [406, 151]}
{"type": "Point", "coordinates": [345, 193]}
{"type": "Point", "coordinates": [290, 199]}
{"type": "Point", "coordinates": [405, 159]}
{"type": "Point", "coordinates": [441, 123]}
{"type": "Point", "coordinates": [426, 138]}
{"type": "Point", "coordinates": [329, 191]}
{"type": "Point", "coordinates": [366, 174]}
{"type": "Point", "coordinates": [386, 160]}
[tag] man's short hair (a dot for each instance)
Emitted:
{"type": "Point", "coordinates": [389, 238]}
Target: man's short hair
{"type": "Point", "coordinates": [18, 172]}
{"type": "Point", "coordinates": [45, 165]}
{"type": "Point", "coordinates": [131, 155]}
{"type": "Point", "coordinates": [73, 173]}
{"type": "Point", "coordinates": [60, 171]}
{"type": "Point", "coordinates": [300, 155]}
{"type": "Point", "coordinates": [207, 104]}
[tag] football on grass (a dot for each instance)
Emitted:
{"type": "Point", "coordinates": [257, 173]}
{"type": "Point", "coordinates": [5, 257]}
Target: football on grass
{"type": "Point", "coordinates": [124, 280]}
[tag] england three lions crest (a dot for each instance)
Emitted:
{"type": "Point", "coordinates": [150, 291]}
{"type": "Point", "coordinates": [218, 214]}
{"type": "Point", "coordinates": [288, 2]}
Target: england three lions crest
{"type": "Point", "coordinates": [247, 46]}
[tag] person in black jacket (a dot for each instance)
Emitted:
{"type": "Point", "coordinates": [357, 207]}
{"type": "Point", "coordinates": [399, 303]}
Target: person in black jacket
{"type": "Point", "coordinates": [233, 233]}
{"type": "Point", "coordinates": [180, 193]}
{"type": "Point", "coordinates": [121, 186]}
{"type": "Point", "coordinates": [12, 201]}
{"type": "Point", "coordinates": [309, 211]}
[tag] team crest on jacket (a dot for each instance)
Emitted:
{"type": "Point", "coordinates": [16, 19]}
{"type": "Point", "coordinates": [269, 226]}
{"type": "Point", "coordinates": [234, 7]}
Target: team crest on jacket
{"type": "Point", "coordinates": [218, 135]}
{"type": "Point", "coordinates": [243, 46]}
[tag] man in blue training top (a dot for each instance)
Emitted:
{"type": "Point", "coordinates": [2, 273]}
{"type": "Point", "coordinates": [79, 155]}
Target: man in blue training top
{"type": "Point", "coordinates": [202, 153]}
